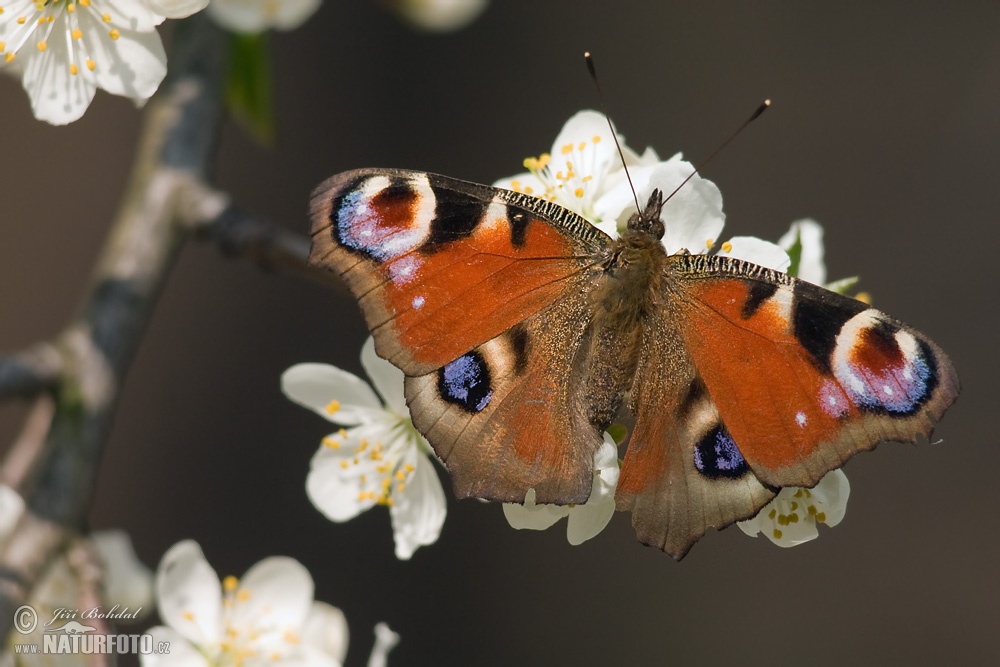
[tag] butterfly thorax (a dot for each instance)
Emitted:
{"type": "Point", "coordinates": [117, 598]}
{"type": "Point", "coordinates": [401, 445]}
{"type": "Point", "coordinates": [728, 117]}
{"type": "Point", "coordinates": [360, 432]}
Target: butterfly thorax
{"type": "Point", "coordinates": [625, 302]}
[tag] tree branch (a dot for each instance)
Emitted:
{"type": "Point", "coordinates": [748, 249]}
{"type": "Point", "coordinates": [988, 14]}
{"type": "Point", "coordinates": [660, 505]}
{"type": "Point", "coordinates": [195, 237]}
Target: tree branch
{"type": "Point", "coordinates": [30, 372]}
{"type": "Point", "coordinates": [177, 140]}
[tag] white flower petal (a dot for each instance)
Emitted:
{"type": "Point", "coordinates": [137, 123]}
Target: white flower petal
{"type": "Point", "coordinates": [275, 593]}
{"type": "Point", "coordinates": [132, 65]}
{"type": "Point", "coordinates": [418, 513]}
{"type": "Point", "coordinates": [254, 16]}
{"type": "Point", "coordinates": [385, 641]}
{"type": "Point", "coordinates": [531, 516]}
{"type": "Point", "coordinates": [127, 582]}
{"type": "Point", "coordinates": [388, 379]}
{"type": "Point", "coordinates": [189, 594]}
{"type": "Point", "coordinates": [833, 491]}
{"type": "Point", "coordinates": [584, 126]}
{"type": "Point", "coordinates": [316, 386]}
{"type": "Point", "coordinates": [128, 14]}
{"type": "Point", "coordinates": [339, 479]}
{"type": "Point", "coordinates": [325, 628]}
{"type": "Point", "coordinates": [440, 15]}
{"type": "Point", "coordinates": [693, 216]}
{"type": "Point", "coordinates": [758, 251]}
{"type": "Point", "coordinates": [586, 521]}
{"type": "Point", "coordinates": [57, 96]}
{"type": "Point", "coordinates": [176, 9]}
{"type": "Point", "coordinates": [810, 234]}
{"type": "Point", "coordinates": [181, 654]}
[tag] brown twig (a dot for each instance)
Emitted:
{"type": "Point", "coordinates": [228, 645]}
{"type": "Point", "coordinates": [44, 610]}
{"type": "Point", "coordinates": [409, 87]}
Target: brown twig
{"type": "Point", "coordinates": [177, 141]}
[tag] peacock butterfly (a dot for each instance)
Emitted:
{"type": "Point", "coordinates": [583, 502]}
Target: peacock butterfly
{"type": "Point", "coordinates": [523, 330]}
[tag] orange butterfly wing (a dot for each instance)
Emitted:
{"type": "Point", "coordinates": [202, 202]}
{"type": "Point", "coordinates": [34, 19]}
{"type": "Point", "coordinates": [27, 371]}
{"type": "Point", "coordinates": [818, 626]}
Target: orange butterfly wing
{"type": "Point", "coordinates": [439, 265]}
{"type": "Point", "coordinates": [764, 381]}
{"type": "Point", "coordinates": [803, 377]}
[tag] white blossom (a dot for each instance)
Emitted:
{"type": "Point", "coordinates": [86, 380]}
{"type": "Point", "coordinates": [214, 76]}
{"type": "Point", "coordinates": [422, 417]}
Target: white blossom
{"type": "Point", "coordinates": [380, 459]}
{"type": "Point", "coordinates": [66, 49]}
{"type": "Point", "coordinates": [268, 617]}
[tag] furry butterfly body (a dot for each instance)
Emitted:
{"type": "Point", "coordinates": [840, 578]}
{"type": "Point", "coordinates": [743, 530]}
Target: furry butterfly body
{"type": "Point", "coordinates": [524, 332]}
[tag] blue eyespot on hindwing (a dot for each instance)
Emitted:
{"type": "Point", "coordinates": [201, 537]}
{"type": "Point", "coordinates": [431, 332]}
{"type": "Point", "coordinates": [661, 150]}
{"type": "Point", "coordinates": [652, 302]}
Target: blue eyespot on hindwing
{"type": "Point", "coordinates": [466, 382]}
{"type": "Point", "coordinates": [717, 455]}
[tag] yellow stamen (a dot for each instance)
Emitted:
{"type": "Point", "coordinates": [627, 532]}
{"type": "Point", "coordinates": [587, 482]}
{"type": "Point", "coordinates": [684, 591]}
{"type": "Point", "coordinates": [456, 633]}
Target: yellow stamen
{"type": "Point", "coordinates": [727, 247]}
{"type": "Point", "coordinates": [21, 20]}
{"type": "Point", "coordinates": [795, 505]}
{"type": "Point", "coordinates": [399, 489]}
{"type": "Point", "coordinates": [291, 637]}
{"type": "Point", "coordinates": [567, 149]}
{"type": "Point", "coordinates": [106, 18]}
{"type": "Point", "coordinates": [71, 7]}
{"type": "Point", "coordinates": [777, 534]}
{"type": "Point", "coordinates": [578, 192]}
{"type": "Point", "coordinates": [821, 517]}
{"type": "Point", "coordinates": [3, 46]}
{"type": "Point", "coordinates": [772, 514]}
{"type": "Point", "coordinates": [77, 33]}
{"type": "Point", "coordinates": [408, 468]}
{"type": "Point", "coordinates": [189, 615]}
{"type": "Point", "coordinates": [864, 297]}
{"type": "Point", "coordinates": [587, 178]}
{"type": "Point", "coordinates": [709, 243]}
{"type": "Point", "coordinates": [583, 144]}
{"type": "Point", "coordinates": [331, 443]}
{"type": "Point", "coordinates": [41, 46]}
{"type": "Point", "coordinates": [9, 56]}
{"type": "Point", "coordinates": [85, 3]}
{"type": "Point", "coordinates": [596, 139]}
{"type": "Point", "coordinates": [243, 595]}
{"type": "Point", "coordinates": [332, 407]}
{"type": "Point", "coordinates": [793, 517]}
{"type": "Point", "coordinates": [90, 64]}
{"type": "Point", "coordinates": [230, 584]}
{"type": "Point", "coordinates": [73, 69]}
{"type": "Point", "coordinates": [400, 475]}
{"type": "Point", "coordinates": [344, 464]}
{"type": "Point", "coordinates": [114, 34]}
{"type": "Point", "coordinates": [529, 190]}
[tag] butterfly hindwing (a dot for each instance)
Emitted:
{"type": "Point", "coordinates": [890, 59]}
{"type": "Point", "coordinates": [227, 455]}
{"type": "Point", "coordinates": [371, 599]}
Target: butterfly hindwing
{"type": "Point", "coordinates": [803, 377]}
{"type": "Point", "coordinates": [512, 414]}
{"type": "Point", "coordinates": [439, 265]}
{"type": "Point", "coordinates": [682, 472]}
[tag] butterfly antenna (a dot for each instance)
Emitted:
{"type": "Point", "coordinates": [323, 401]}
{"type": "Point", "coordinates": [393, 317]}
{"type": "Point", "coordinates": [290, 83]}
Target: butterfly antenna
{"type": "Point", "coordinates": [761, 109]}
{"type": "Point", "coordinates": [593, 75]}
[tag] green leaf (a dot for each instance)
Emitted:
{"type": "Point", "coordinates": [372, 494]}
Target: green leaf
{"type": "Point", "coordinates": [795, 254]}
{"type": "Point", "coordinates": [617, 433]}
{"type": "Point", "coordinates": [248, 85]}
{"type": "Point", "coordinates": [841, 286]}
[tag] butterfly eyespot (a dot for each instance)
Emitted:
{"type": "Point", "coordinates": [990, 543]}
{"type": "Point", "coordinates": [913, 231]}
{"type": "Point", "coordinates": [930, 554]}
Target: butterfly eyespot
{"type": "Point", "coordinates": [466, 383]}
{"type": "Point", "coordinates": [717, 455]}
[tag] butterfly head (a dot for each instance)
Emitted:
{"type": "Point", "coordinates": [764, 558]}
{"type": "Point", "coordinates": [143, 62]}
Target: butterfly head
{"type": "Point", "coordinates": [648, 220]}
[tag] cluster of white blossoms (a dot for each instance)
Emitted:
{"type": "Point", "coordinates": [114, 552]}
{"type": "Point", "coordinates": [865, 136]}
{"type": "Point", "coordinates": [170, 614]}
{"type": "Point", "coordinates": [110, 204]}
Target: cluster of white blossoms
{"type": "Point", "coordinates": [382, 454]}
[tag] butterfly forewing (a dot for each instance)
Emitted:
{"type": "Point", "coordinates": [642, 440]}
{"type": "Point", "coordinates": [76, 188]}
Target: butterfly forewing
{"type": "Point", "coordinates": [440, 266]}
{"type": "Point", "coordinates": [803, 377]}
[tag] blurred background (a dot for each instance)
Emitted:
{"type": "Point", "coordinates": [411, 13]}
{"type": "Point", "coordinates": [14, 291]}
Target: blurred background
{"type": "Point", "coordinates": [885, 128]}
